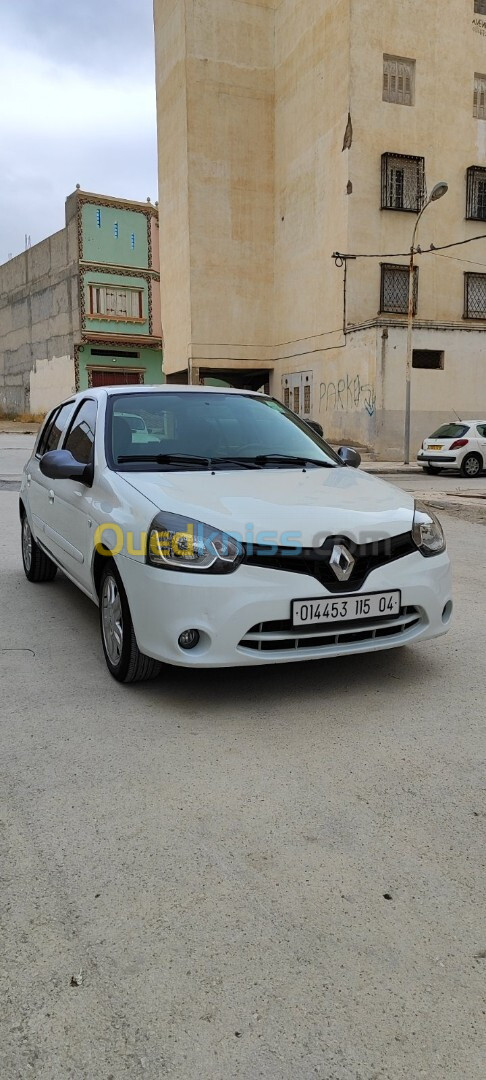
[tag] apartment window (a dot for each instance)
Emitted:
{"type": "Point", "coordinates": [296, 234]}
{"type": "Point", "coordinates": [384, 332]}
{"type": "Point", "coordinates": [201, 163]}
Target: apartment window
{"type": "Point", "coordinates": [398, 80]}
{"type": "Point", "coordinates": [402, 182]}
{"type": "Point", "coordinates": [116, 231]}
{"type": "Point", "coordinates": [432, 359]}
{"type": "Point", "coordinates": [98, 218]}
{"type": "Point", "coordinates": [476, 193]}
{"type": "Point", "coordinates": [479, 99]}
{"type": "Point", "coordinates": [480, 7]}
{"type": "Point", "coordinates": [475, 296]}
{"type": "Point", "coordinates": [132, 241]}
{"type": "Point", "coordinates": [115, 303]}
{"type": "Point", "coordinates": [394, 288]}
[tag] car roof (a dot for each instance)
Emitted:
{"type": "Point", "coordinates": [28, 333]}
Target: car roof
{"type": "Point", "coordinates": [165, 388]}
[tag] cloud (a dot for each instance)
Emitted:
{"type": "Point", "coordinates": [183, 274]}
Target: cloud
{"type": "Point", "coordinates": [81, 109]}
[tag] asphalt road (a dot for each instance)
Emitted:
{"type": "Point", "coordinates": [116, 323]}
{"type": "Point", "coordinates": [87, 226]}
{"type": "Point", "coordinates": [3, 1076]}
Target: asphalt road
{"type": "Point", "coordinates": [275, 873]}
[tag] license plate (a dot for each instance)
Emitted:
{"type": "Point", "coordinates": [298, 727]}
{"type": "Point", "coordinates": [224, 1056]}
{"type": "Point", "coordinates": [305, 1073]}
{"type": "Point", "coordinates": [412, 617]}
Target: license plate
{"type": "Point", "coordinates": [346, 608]}
{"type": "Point", "coordinates": [435, 447]}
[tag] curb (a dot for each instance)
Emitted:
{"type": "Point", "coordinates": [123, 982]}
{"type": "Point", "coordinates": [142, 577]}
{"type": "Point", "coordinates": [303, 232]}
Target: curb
{"type": "Point", "coordinates": [10, 427]}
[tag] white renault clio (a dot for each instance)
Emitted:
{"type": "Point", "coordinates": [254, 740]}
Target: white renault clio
{"type": "Point", "coordinates": [231, 535]}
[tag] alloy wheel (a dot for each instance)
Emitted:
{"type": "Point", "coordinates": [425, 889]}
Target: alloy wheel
{"type": "Point", "coordinates": [26, 544]}
{"type": "Point", "coordinates": [112, 619]}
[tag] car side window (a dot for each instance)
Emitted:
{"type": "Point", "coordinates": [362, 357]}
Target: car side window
{"type": "Point", "coordinates": [80, 437]}
{"type": "Point", "coordinates": [482, 430]}
{"type": "Point", "coordinates": [51, 434]}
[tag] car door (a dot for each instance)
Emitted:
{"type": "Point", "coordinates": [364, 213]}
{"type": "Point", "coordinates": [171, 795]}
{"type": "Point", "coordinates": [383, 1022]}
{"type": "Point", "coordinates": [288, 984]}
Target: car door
{"type": "Point", "coordinates": [38, 488]}
{"type": "Point", "coordinates": [481, 428]}
{"type": "Point", "coordinates": [69, 526]}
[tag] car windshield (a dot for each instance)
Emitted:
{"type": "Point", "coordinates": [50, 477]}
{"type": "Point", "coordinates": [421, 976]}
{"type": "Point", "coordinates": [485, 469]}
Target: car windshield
{"type": "Point", "coordinates": [222, 430]}
{"type": "Point", "coordinates": [450, 431]}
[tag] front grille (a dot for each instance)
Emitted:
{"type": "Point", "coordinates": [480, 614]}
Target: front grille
{"type": "Point", "coordinates": [314, 562]}
{"type": "Point", "coordinates": [281, 636]}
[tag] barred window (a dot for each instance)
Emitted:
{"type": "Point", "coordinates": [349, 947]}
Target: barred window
{"type": "Point", "coordinates": [394, 288]}
{"type": "Point", "coordinates": [398, 80]}
{"type": "Point", "coordinates": [402, 182]}
{"type": "Point", "coordinates": [480, 7]}
{"type": "Point", "coordinates": [479, 97]}
{"type": "Point", "coordinates": [476, 193]}
{"type": "Point", "coordinates": [475, 296]}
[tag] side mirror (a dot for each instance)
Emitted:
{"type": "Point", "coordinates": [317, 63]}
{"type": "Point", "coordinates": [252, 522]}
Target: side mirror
{"type": "Point", "coordinates": [61, 465]}
{"type": "Point", "coordinates": [316, 427]}
{"type": "Point", "coordinates": [349, 457]}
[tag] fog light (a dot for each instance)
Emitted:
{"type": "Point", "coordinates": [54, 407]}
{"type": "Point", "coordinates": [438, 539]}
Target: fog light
{"type": "Point", "coordinates": [447, 612]}
{"type": "Point", "coordinates": [189, 639]}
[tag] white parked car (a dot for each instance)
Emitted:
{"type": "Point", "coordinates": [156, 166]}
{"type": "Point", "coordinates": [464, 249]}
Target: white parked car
{"type": "Point", "coordinates": [239, 538]}
{"type": "Point", "coordinates": [460, 445]}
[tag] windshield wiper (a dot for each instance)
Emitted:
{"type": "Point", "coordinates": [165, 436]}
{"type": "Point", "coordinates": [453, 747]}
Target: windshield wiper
{"type": "Point", "coordinates": [247, 462]}
{"type": "Point", "coordinates": [166, 459]}
{"type": "Point", "coordinates": [289, 459]}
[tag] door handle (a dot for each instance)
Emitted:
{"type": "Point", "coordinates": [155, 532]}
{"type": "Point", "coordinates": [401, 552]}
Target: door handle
{"type": "Point", "coordinates": [51, 496]}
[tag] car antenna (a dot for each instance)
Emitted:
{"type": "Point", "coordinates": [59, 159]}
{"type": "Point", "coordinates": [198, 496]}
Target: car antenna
{"type": "Point", "coordinates": [458, 417]}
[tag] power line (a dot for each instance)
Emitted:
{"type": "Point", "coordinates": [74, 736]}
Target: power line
{"type": "Point", "coordinates": [340, 257]}
{"type": "Point", "coordinates": [452, 258]}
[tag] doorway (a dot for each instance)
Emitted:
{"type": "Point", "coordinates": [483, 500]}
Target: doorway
{"type": "Point", "coordinates": [297, 392]}
{"type": "Point", "coordinates": [115, 377]}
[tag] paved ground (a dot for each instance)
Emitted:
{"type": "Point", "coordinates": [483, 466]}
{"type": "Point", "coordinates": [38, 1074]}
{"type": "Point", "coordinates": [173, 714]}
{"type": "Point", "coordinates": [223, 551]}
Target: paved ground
{"type": "Point", "coordinates": [274, 874]}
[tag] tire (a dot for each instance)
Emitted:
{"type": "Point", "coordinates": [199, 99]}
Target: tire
{"type": "Point", "coordinates": [471, 465]}
{"type": "Point", "coordinates": [433, 468]}
{"type": "Point", "coordinates": [123, 658]}
{"type": "Point", "coordinates": [38, 567]}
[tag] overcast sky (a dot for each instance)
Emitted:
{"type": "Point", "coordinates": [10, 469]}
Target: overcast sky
{"type": "Point", "coordinates": [77, 106]}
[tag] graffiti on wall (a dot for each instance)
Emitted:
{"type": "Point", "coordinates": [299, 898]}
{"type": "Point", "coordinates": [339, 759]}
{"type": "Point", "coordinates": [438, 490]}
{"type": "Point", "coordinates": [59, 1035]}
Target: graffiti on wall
{"type": "Point", "coordinates": [347, 394]}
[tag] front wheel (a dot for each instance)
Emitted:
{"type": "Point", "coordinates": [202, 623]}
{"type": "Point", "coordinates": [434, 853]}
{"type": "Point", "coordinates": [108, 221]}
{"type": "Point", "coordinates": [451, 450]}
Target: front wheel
{"type": "Point", "coordinates": [37, 566]}
{"type": "Point", "coordinates": [123, 657]}
{"type": "Point", "coordinates": [471, 465]}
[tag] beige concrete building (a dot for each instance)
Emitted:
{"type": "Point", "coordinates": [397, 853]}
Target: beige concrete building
{"type": "Point", "coordinates": [291, 129]}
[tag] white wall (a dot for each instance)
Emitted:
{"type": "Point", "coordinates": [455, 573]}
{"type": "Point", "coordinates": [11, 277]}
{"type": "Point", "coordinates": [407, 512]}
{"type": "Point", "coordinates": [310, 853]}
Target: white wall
{"type": "Point", "coordinates": [50, 382]}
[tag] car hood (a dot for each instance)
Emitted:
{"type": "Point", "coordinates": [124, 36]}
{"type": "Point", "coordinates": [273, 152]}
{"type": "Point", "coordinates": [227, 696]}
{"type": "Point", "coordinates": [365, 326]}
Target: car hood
{"type": "Point", "coordinates": [312, 504]}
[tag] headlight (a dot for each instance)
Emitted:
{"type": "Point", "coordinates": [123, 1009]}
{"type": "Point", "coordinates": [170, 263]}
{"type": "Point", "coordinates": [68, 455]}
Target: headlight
{"type": "Point", "coordinates": [176, 543]}
{"type": "Point", "coordinates": [427, 531]}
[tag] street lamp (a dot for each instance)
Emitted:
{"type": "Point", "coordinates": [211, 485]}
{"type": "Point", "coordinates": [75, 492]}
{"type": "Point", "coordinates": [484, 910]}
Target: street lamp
{"type": "Point", "coordinates": [437, 192]}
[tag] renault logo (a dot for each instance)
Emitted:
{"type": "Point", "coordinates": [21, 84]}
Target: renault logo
{"type": "Point", "coordinates": [342, 562]}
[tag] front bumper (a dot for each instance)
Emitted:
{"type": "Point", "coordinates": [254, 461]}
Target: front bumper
{"type": "Point", "coordinates": [226, 609]}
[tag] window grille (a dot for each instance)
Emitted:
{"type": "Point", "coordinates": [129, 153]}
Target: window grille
{"type": "Point", "coordinates": [402, 182]}
{"type": "Point", "coordinates": [398, 80]}
{"type": "Point", "coordinates": [476, 193]}
{"type": "Point", "coordinates": [132, 241]}
{"type": "Point", "coordinates": [296, 398]}
{"type": "Point", "coordinates": [480, 7]}
{"type": "Point", "coordinates": [98, 218]}
{"type": "Point", "coordinates": [307, 398]}
{"type": "Point", "coordinates": [394, 288]}
{"type": "Point", "coordinates": [116, 230]}
{"type": "Point", "coordinates": [479, 98]}
{"type": "Point", "coordinates": [475, 296]}
{"type": "Point", "coordinates": [286, 397]}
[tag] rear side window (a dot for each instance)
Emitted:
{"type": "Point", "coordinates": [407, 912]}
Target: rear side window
{"type": "Point", "coordinates": [51, 435]}
{"type": "Point", "coordinates": [482, 430]}
{"type": "Point", "coordinates": [450, 431]}
{"type": "Point", "coordinates": [81, 435]}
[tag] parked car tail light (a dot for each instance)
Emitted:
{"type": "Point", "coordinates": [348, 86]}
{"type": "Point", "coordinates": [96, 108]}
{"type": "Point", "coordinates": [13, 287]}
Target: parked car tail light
{"type": "Point", "coordinates": [459, 443]}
